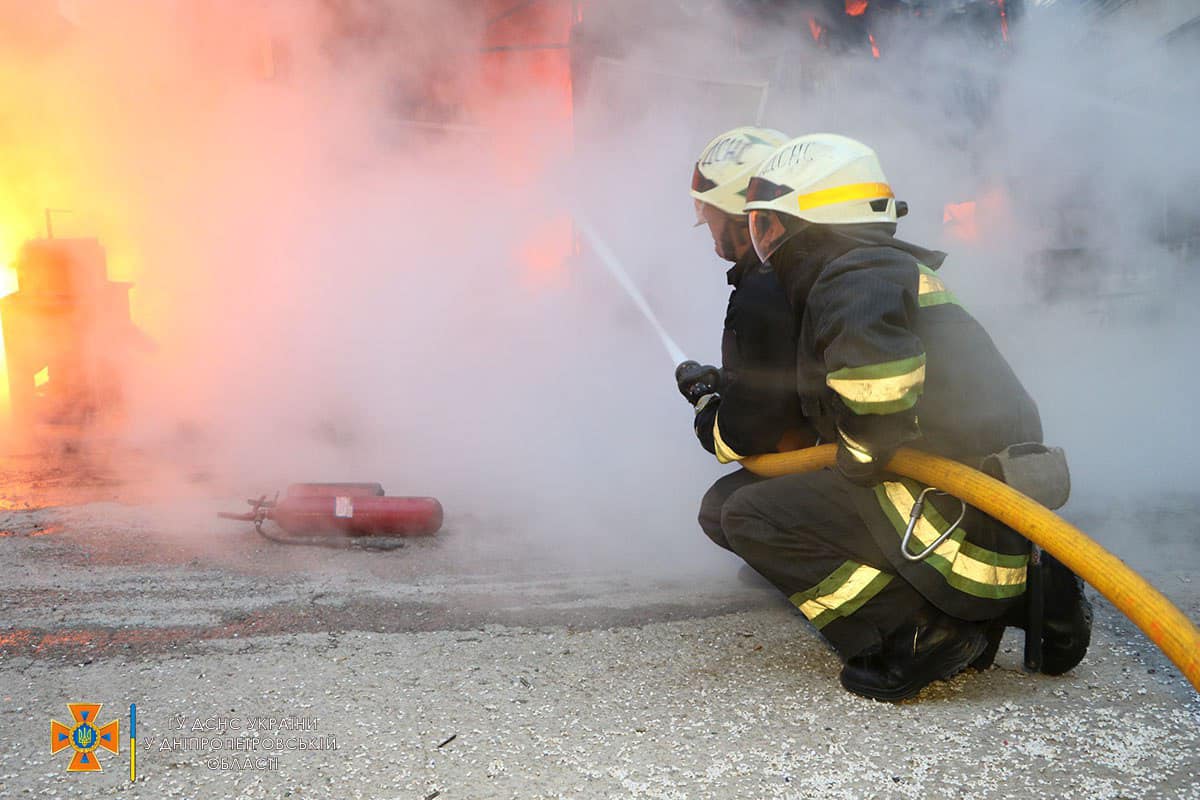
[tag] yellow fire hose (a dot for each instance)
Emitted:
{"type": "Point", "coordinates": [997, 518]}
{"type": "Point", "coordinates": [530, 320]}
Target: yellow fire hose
{"type": "Point", "coordinates": [1158, 618]}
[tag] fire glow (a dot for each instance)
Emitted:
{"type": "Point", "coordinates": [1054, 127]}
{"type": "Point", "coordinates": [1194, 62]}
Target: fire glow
{"type": "Point", "coordinates": [960, 221]}
{"type": "Point", "coordinates": [1003, 19]}
{"type": "Point", "coordinates": [815, 29]}
{"type": "Point", "coordinates": [45, 170]}
{"type": "Point", "coordinates": [142, 196]}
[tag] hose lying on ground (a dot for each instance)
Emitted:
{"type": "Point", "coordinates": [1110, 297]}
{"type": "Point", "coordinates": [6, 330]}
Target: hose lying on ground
{"type": "Point", "coordinates": [1159, 619]}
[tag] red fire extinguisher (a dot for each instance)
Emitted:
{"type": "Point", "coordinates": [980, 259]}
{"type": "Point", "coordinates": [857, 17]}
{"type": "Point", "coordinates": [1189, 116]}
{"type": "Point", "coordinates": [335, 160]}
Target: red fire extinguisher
{"type": "Point", "coordinates": [343, 514]}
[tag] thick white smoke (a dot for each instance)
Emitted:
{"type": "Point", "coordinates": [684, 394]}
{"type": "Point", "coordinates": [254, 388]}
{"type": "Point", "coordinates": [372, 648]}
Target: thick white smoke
{"type": "Point", "coordinates": [339, 294]}
{"type": "Point", "coordinates": [1075, 146]}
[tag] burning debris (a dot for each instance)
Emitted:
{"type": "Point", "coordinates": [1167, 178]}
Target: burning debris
{"type": "Point", "coordinates": [68, 337]}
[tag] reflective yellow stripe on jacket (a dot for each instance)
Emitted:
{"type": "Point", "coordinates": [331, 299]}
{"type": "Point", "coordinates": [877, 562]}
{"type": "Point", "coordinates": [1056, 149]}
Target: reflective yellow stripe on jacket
{"type": "Point", "coordinates": [931, 290]}
{"type": "Point", "coordinates": [880, 388]}
{"type": "Point", "coordinates": [725, 454]}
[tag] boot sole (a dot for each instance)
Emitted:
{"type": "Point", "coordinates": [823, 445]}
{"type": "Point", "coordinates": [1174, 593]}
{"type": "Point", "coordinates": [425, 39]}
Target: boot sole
{"type": "Point", "coordinates": [974, 649]}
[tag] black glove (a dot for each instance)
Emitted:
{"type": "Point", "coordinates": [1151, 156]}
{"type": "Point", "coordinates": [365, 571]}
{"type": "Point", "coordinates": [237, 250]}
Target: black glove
{"type": "Point", "coordinates": [867, 443]}
{"type": "Point", "coordinates": [696, 380]}
{"type": "Point", "coordinates": [859, 472]}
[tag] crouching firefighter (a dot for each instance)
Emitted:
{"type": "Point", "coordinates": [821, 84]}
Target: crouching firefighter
{"type": "Point", "coordinates": [749, 405]}
{"type": "Point", "coordinates": [887, 357]}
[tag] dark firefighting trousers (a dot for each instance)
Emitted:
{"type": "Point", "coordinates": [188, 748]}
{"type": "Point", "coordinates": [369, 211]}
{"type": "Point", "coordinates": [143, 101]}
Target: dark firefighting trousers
{"type": "Point", "coordinates": [803, 534]}
{"type": "Point", "coordinates": [714, 499]}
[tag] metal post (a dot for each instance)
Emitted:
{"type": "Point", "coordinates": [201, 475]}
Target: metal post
{"type": "Point", "coordinates": [1035, 609]}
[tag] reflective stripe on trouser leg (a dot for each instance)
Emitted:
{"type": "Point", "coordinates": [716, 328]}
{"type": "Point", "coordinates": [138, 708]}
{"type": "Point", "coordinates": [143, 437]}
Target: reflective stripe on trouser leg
{"type": "Point", "coordinates": [798, 531]}
{"type": "Point", "coordinates": [842, 593]}
{"type": "Point", "coordinates": [966, 567]}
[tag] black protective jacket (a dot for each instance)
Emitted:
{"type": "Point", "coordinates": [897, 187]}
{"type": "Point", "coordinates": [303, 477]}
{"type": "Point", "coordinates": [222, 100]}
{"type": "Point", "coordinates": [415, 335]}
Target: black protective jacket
{"type": "Point", "coordinates": [888, 357]}
{"type": "Point", "coordinates": [757, 410]}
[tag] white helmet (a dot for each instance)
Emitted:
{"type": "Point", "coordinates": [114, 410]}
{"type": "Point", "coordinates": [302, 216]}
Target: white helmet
{"type": "Point", "coordinates": [726, 165]}
{"type": "Point", "coordinates": [822, 178]}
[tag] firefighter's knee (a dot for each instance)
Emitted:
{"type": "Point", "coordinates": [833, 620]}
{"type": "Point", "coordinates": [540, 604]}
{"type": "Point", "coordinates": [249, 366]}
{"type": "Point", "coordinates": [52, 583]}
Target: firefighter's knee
{"type": "Point", "coordinates": [741, 519]}
{"type": "Point", "coordinates": [711, 512]}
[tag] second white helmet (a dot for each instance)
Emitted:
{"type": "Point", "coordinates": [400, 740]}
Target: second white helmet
{"type": "Point", "coordinates": [727, 163]}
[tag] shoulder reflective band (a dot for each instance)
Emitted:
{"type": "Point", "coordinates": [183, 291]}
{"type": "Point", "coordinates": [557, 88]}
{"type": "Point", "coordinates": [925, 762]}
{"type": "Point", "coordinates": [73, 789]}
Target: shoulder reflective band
{"type": "Point", "coordinates": [844, 194]}
{"type": "Point", "coordinates": [931, 290]}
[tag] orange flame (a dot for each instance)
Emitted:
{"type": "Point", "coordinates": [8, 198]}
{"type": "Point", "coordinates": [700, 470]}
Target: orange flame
{"type": "Point", "coordinates": [874, 47]}
{"type": "Point", "coordinates": [988, 216]}
{"type": "Point", "coordinates": [16, 225]}
{"type": "Point", "coordinates": [856, 8]}
{"type": "Point", "coordinates": [43, 166]}
{"type": "Point", "coordinates": [1003, 20]}
{"type": "Point", "coordinates": [959, 220]}
{"type": "Point", "coordinates": [8, 284]}
{"type": "Point", "coordinates": [815, 28]}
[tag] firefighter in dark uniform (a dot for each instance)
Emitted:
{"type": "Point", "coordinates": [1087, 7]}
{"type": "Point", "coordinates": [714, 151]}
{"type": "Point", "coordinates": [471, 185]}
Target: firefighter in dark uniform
{"type": "Point", "coordinates": [750, 403]}
{"type": "Point", "coordinates": [886, 358]}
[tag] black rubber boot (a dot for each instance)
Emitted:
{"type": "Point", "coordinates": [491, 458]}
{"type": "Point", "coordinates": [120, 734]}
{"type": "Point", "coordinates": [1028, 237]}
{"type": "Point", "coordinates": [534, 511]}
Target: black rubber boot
{"type": "Point", "coordinates": [994, 631]}
{"type": "Point", "coordinates": [1067, 621]}
{"type": "Point", "coordinates": [934, 648]}
{"type": "Point", "coordinates": [1015, 617]}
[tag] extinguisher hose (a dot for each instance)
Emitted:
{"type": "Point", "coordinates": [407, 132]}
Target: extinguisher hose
{"type": "Point", "coordinates": [1162, 622]}
{"type": "Point", "coordinates": [333, 542]}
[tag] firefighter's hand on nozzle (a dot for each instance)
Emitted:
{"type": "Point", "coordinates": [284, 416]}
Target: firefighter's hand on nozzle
{"type": "Point", "coordinates": [695, 380]}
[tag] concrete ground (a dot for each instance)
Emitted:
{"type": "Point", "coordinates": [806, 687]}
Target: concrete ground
{"type": "Point", "coordinates": [476, 665]}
